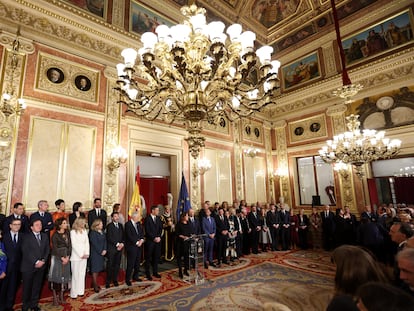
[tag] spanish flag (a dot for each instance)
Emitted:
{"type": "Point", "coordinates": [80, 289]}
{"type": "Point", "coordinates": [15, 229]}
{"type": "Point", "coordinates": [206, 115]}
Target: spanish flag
{"type": "Point", "coordinates": [135, 205]}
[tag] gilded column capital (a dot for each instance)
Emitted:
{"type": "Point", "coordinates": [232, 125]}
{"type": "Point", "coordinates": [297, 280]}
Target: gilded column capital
{"type": "Point", "coordinates": [336, 110]}
{"type": "Point", "coordinates": [26, 45]}
{"type": "Point", "coordinates": [279, 124]}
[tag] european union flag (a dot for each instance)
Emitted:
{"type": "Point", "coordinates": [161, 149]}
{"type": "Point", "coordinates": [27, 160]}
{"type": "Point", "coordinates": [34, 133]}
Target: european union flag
{"type": "Point", "coordinates": [183, 204]}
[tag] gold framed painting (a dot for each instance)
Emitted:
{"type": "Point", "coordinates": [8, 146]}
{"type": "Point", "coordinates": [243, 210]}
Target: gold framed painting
{"type": "Point", "coordinates": [302, 71]}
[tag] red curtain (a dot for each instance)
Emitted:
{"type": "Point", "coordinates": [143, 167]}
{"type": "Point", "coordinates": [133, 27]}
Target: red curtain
{"type": "Point", "coordinates": [154, 191]}
{"type": "Point", "coordinates": [404, 189]}
{"type": "Point", "coordinates": [372, 190]}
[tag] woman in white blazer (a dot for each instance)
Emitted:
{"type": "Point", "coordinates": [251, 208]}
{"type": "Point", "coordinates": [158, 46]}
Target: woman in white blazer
{"type": "Point", "coordinates": [79, 256]}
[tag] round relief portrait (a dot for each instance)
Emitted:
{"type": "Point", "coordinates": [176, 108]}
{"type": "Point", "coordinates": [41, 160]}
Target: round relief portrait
{"type": "Point", "coordinates": [248, 130]}
{"type": "Point", "coordinates": [55, 75]}
{"type": "Point", "coordinates": [83, 83]}
{"type": "Point", "coordinates": [298, 131]}
{"type": "Point", "coordinates": [315, 127]}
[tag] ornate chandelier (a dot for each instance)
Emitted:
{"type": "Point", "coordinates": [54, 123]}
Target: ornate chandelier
{"type": "Point", "coordinates": [193, 72]}
{"type": "Point", "coordinates": [357, 147]}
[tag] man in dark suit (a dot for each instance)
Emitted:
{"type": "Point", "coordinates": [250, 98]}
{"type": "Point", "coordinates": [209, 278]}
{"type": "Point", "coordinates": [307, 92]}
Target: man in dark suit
{"type": "Point", "coordinates": [2, 219]}
{"type": "Point", "coordinates": [134, 239]}
{"type": "Point", "coordinates": [273, 221]}
{"type": "Point", "coordinates": [97, 212]}
{"type": "Point", "coordinates": [284, 227]}
{"type": "Point", "coordinates": [18, 213]}
{"type": "Point", "coordinates": [303, 225]}
{"type": "Point", "coordinates": [222, 230]}
{"type": "Point", "coordinates": [153, 231]}
{"type": "Point", "coordinates": [254, 224]}
{"type": "Point", "coordinates": [194, 222]}
{"type": "Point", "coordinates": [115, 244]}
{"type": "Point", "coordinates": [328, 228]}
{"type": "Point", "coordinates": [208, 225]}
{"type": "Point", "coordinates": [246, 231]}
{"type": "Point", "coordinates": [35, 250]}
{"type": "Point", "coordinates": [44, 216]}
{"type": "Point", "coordinates": [13, 246]}
{"type": "Point", "coordinates": [369, 214]}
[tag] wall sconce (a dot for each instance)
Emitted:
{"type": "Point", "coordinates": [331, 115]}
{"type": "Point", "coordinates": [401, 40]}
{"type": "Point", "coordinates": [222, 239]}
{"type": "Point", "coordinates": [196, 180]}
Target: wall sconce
{"type": "Point", "coordinates": [281, 172]}
{"type": "Point", "coordinates": [117, 156]}
{"type": "Point", "coordinates": [342, 168]}
{"type": "Point", "coordinates": [10, 102]}
{"type": "Point", "coordinates": [251, 151]}
{"type": "Point", "coordinates": [202, 166]}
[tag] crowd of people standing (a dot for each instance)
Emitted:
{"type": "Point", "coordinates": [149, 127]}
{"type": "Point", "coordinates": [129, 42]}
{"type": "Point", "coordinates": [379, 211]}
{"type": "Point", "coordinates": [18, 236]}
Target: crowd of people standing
{"type": "Point", "coordinates": [61, 247]}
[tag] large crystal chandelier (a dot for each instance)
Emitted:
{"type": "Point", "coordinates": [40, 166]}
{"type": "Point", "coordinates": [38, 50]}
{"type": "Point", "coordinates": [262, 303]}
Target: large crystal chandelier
{"type": "Point", "coordinates": [194, 72]}
{"type": "Point", "coordinates": [357, 147]}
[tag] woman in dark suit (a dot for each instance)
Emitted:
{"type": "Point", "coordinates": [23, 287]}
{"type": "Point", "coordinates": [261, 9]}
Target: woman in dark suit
{"type": "Point", "coordinates": [97, 242]}
{"type": "Point", "coordinates": [76, 213]}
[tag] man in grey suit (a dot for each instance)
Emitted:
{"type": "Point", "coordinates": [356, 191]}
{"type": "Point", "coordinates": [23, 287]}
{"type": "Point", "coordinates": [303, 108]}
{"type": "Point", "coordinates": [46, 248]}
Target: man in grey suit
{"type": "Point", "coordinates": [35, 251]}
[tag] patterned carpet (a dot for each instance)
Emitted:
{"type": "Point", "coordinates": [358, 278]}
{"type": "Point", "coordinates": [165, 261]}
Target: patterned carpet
{"type": "Point", "coordinates": [295, 280]}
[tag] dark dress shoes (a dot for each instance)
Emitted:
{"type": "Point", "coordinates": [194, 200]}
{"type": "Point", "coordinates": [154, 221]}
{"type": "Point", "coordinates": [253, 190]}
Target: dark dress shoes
{"type": "Point", "coordinates": [107, 285]}
{"type": "Point", "coordinates": [128, 283]}
{"type": "Point", "coordinates": [156, 275]}
{"type": "Point", "coordinates": [137, 279]}
{"type": "Point", "coordinates": [116, 284]}
{"type": "Point", "coordinates": [149, 278]}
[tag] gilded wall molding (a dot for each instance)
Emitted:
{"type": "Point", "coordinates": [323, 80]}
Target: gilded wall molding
{"type": "Point", "coordinates": [283, 160]}
{"type": "Point", "coordinates": [238, 150]}
{"type": "Point", "coordinates": [9, 125]}
{"type": "Point", "coordinates": [112, 139]}
{"type": "Point", "coordinates": [269, 162]}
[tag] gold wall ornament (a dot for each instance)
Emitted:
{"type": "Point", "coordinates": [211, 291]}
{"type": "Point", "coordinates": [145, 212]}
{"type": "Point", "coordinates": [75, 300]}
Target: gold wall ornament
{"type": "Point", "coordinates": [196, 73]}
{"type": "Point", "coordinates": [11, 101]}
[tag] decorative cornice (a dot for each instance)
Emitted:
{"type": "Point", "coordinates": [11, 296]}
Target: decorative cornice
{"type": "Point", "coordinates": [99, 36]}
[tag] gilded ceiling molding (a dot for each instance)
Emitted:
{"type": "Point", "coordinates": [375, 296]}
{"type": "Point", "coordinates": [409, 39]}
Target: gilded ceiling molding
{"type": "Point", "coordinates": [387, 72]}
{"type": "Point", "coordinates": [63, 28]}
